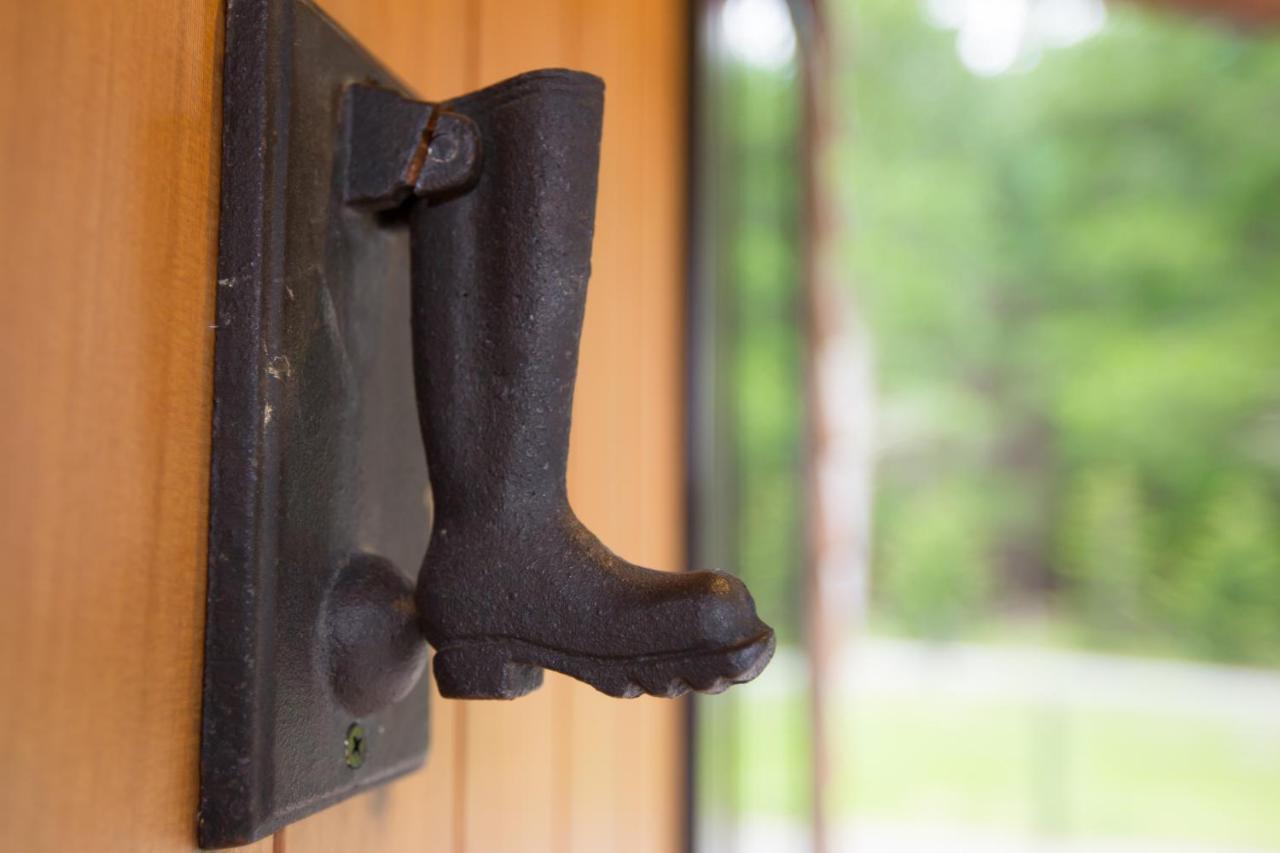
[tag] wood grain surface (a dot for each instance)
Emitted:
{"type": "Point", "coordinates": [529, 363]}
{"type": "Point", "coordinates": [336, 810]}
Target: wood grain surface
{"type": "Point", "coordinates": [109, 128]}
{"type": "Point", "coordinates": [109, 134]}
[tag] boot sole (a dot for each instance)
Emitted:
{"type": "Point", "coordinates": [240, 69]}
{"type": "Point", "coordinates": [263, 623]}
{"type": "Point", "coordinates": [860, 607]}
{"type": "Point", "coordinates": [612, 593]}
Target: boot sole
{"type": "Point", "coordinates": [503, 668]}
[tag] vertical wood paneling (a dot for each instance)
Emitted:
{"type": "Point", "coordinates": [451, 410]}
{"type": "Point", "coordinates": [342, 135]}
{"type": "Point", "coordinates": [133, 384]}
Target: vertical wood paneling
{"type": "Point", "coordinates": [109, 121]}
{"type": "Point", "coordinates": [608, 759]}
{"type": "Point", "coordinates": [650, 790]}
{"type": "Point", "coordinates": [108, 236]}
{"type": "Point", "coordinates": [518, 36]}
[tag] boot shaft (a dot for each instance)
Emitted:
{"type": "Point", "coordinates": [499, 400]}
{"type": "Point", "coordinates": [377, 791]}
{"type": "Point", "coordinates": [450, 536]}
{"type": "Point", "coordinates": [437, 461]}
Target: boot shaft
{"type": "Point", "coordinates": [499, 287]}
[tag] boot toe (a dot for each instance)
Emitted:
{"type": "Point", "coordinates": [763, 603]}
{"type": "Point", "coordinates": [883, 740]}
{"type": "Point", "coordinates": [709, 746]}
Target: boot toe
{"type": "Point", "coordinates": [726, 613]}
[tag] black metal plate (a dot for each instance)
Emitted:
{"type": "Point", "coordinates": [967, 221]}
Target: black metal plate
{"type": "Point", "coordinates": [317, 453]}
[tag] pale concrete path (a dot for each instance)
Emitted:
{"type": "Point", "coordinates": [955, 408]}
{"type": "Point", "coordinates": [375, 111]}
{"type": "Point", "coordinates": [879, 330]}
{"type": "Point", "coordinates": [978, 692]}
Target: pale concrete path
{"type": "Point", "coordinates": [779, 836]}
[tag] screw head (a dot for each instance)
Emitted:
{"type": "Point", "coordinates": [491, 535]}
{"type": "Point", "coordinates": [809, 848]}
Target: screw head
{"type": "Point", "coordinates": [356, 745]}
{"type": "Point", "coordinates": [443, 148]}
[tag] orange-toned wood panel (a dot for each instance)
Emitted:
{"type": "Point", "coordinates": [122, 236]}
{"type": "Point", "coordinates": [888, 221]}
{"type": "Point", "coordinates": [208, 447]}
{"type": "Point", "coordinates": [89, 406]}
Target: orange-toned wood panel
{"type": "Point", "coordinates": [108, 236]}
{"type": "Point", "coordinates": [645, 209]}
{"type": "Point", "coordinates": [109, 126]}
{"type": "Point", "coordinates": [625, 477]}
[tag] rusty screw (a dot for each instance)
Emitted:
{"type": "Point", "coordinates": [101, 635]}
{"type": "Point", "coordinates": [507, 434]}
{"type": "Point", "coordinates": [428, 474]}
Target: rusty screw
{"type": "Point", "coordinates": [356, 745]}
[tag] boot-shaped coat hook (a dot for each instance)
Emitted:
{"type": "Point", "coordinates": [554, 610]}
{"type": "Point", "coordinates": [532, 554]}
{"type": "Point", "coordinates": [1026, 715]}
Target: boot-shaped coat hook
{"type": "Point", "coordinates": [468, 279]}
{"type": "Point", "coordinates": [513, 583]}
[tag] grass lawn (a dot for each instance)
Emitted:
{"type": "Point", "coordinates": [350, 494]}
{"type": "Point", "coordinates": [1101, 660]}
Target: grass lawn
{"type": "Point", "coordinates": [1046, 770]}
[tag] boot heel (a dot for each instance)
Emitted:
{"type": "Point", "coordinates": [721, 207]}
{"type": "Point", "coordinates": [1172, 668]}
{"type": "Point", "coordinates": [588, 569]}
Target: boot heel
{"type": "Point", "coordinates": [483, 672]}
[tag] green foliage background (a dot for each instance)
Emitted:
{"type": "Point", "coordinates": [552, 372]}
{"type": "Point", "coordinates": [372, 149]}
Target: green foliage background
{"type": "Point", "coordinates": [1073, 278]}
{"type": "Point", "coordinates": [758, 333]}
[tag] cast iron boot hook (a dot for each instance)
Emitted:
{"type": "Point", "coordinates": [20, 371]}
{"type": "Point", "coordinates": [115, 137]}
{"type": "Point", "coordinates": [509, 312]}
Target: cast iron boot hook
{"type": "Point", "coordinates": [512, 583]}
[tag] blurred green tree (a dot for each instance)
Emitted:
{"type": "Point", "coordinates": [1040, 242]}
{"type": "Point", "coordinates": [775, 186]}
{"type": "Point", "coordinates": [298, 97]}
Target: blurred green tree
{"type": "Point", "coordinates": [1105, 552]}
{"type": "Point", "coordinates": [1228, 593]}
{"type": "Point", "coordinates": [1073, 274]}
{"type": "Point", "coordinates": [935, 577]}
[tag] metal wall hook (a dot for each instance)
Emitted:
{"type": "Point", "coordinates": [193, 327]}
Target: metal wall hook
{"type": "Point", "coordinates": [501, 245]}
{"type": "Point", "coordinates": [347, 342]}
{"type": "Point", "coordinates": [397, 147]}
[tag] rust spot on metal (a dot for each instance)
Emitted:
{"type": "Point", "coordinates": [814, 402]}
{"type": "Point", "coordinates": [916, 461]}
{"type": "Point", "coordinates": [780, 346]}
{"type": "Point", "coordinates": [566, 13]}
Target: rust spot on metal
{"type": "Point", "coordinates": [424, 148]}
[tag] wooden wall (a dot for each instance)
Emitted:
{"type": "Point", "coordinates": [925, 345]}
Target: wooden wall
{"type": "Point", "coordinates": [108, 220]}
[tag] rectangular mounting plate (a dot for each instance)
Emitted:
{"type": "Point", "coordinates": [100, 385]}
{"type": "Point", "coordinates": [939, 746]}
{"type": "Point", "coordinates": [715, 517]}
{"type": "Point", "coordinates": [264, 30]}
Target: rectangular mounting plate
{"type": "Point", "coordinates": [317, 453]}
